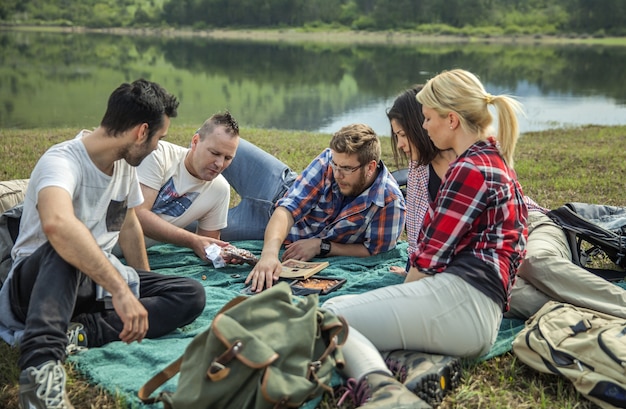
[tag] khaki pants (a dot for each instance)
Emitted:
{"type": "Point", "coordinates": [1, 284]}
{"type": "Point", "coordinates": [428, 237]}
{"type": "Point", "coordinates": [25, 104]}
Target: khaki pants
{"type": "Point", "coordinates": [547, 273]}
{"type": "Point", "coordinates": [11, 193]}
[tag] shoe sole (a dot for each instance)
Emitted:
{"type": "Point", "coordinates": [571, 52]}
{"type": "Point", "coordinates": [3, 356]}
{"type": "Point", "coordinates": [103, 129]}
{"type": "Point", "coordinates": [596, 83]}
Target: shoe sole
{"type": "Point", "coordinates": [433, 387]}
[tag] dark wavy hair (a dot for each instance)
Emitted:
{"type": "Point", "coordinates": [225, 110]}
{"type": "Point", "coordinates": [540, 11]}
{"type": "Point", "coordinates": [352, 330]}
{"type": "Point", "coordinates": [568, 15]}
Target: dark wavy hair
{"type": "Point", "coordinates": [408, 112]}
{"type": "Point", "coordinates": [136, 103]}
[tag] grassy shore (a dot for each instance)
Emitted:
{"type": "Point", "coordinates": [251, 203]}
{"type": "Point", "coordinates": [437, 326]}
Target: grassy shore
{"type": "Point", "coordinates": [336, 36]}
{"type": "Point", "coordinates": [578, 164]}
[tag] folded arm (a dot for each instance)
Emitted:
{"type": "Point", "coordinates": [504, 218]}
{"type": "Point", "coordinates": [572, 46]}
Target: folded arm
{"type": "Point", "coordinates": [306, 249]}
{"type": "Point", "coordinates": [73, 241]}
{"type": "Point", "coordinates": [158, 229]}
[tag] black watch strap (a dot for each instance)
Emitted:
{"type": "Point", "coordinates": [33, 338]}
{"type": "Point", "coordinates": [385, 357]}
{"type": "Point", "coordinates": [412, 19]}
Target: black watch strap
{"type": "Point", "coordinates": [324, 248]}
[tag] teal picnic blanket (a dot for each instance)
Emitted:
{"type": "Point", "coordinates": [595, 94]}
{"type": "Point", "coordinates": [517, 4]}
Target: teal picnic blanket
{"type": "Point", "coordinates": [122, 369]}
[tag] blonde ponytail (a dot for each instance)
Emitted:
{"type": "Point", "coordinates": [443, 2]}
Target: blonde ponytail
{"type": "Point", "coordinates": [462, 92]}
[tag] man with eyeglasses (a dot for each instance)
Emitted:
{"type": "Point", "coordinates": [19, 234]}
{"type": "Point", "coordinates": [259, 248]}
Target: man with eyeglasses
{"type": "Point", "coordinates": [345, 203]}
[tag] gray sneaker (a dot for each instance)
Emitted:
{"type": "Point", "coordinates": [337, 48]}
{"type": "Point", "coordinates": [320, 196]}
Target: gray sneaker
{"type": "Point", "coordinates": [43, 387]}
{"type": "Point", "coordinates": [76, 338]}
{"type": "Point", "coordinates": [431, 377]}
{"type": "Point", "coordinates": [380, 391]}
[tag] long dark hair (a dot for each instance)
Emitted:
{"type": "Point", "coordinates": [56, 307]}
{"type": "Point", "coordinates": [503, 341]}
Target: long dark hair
{"type": "Point", "coordinates": [408, 112]}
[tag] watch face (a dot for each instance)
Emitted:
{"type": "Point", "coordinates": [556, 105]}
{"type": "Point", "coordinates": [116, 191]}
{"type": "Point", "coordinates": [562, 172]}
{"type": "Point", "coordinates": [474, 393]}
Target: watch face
{"type": "Point", "coordinates": [324, 247]}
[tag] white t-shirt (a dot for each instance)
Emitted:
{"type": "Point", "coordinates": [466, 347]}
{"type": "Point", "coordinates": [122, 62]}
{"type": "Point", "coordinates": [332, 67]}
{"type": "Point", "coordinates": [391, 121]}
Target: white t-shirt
{"type": "Point", "coordinates": [100, 201]}
{"type": "Point", "coordinates": [183, 198]}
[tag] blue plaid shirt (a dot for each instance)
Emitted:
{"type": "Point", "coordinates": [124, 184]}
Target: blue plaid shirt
{"type": "Point", "coordinates": [374, 218]}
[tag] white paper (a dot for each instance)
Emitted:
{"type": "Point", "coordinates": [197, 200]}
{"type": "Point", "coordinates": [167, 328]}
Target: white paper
{"type": "Point", "coordinates": [214, 253]}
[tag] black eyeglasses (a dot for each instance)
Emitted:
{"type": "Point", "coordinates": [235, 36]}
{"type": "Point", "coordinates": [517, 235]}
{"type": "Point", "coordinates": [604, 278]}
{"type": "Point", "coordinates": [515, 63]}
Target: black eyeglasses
{"type": "Point", "coordinates": [344, 170]}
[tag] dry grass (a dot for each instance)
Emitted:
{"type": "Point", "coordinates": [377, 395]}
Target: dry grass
{"type": "Point", "coordinates": [81, 392]}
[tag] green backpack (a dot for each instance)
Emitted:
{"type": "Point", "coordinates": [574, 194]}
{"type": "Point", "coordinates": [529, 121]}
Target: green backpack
{"type": "Point", "coordinates": [585, 346]}
{"type": "Point", "coordinates": [270, 350]}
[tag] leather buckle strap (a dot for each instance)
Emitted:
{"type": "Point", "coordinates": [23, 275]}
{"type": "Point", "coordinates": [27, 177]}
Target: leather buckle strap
{"type": "Point", "coordinates": [218, 369]}
{"type": "Point", "coordinates": [158, 380]}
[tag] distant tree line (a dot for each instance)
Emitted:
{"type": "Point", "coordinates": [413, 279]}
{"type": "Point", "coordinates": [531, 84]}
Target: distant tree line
{"type": "Point", "coordinates": [592, 17]}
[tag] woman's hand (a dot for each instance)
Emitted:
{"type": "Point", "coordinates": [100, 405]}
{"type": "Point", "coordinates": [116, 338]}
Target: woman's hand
{"type": "Point", "coordinates": [414, 275]}
{"type": "Point", "coordinates": [398, 270]}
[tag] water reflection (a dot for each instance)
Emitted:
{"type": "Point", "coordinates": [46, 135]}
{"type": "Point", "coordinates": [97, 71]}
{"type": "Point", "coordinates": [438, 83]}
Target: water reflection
{"type": "Point", "coordinates": [63, 79]}
{"type": "Point", "coordinates": [541, 112]}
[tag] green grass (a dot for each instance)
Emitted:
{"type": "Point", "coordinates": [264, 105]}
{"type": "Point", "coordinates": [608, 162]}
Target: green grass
{"type": "Point", "coordinates": [579, 164]}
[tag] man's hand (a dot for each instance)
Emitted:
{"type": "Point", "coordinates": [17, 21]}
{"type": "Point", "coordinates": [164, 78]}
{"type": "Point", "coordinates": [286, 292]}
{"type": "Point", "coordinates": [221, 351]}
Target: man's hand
{"type": "Point", "coordinates": [203, 242]}
{"type": "Point", "coordinates": [268, 268]}
{"type": "Point", "coordinates": [303, 250]}
{"type": "Point", "coordinates": [264, 273]}
{"type": "Point", "coordinates": [161, 230]}
{"type": "Point", "coordinates": [133, 315]}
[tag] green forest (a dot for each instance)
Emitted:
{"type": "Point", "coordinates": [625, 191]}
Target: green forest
{"type": "Point", "coordinates": [597, 18]}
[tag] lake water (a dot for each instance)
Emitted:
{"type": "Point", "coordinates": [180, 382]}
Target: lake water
{"type": "Point", "coordinates": [50, 80]}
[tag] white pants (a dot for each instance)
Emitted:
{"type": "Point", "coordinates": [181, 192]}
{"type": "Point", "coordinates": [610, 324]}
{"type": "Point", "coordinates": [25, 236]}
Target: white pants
{"type": "Point", "coordinates": [442, 314]}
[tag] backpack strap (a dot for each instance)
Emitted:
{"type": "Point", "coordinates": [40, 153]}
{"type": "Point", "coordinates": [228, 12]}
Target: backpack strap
{"type": "Point", "coordinates": [578, 229]}
{"type": "Point", "coordinates": [337, 333]}
{"type": "Point", "coordinates": [172, 369]}
{"type": "Point", "coordinates": [157, 380]}
{"type": "Point", "coordinates": [616, 237]}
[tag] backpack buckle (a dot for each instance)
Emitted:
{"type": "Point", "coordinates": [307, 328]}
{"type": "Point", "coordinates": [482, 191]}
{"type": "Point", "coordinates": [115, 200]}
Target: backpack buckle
{"type": "Point", "coordinates": [314, 367]}
{"type": "Point", "coordinates": [218, 369]}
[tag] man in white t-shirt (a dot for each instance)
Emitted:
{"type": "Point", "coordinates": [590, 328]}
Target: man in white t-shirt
{"type": "Point", "coordinates": [65, 288]}
{"type": "Point", "coordinates": [186, 197]}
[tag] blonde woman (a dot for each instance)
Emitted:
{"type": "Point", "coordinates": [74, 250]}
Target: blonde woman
{"type": "Point", "coordinates": [468, 251]}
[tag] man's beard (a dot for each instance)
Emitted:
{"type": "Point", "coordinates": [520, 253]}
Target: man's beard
{"type": "Point", "coordinates": [357, 187]}
{"type": "Point", "coordinates": [134, 156]}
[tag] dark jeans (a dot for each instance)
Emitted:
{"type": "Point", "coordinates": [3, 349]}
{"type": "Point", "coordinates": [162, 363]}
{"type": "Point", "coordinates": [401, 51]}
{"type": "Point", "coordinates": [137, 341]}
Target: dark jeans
{"type": "Point", "coordinates": [60, 294]}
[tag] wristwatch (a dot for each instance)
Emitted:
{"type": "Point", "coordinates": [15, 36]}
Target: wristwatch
{"type": "Point", "coordinates": [324, 248]}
